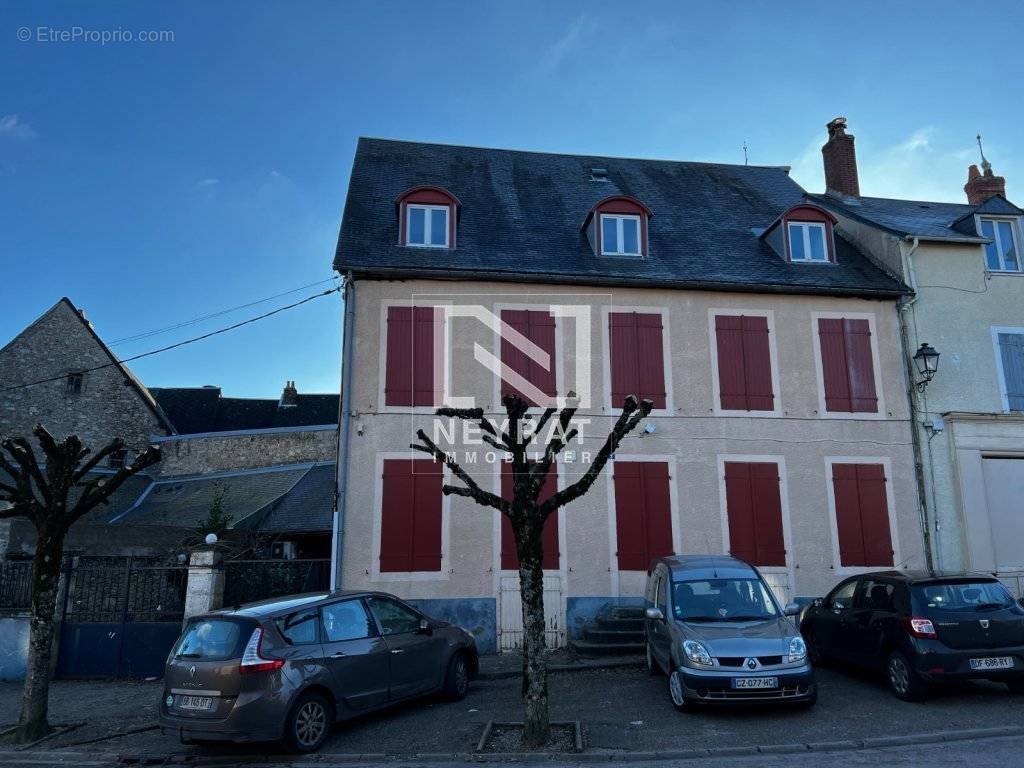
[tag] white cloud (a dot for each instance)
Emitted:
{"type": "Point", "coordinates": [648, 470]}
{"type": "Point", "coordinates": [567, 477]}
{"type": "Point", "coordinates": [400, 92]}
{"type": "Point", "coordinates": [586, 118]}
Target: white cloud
{"type": "Point", "coordinates": [566, 44]}
{"type": "Point", "coordinates": [11, 126]}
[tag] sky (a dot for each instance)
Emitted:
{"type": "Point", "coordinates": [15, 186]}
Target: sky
{"type": "Point", "coordinates": [155, 182]}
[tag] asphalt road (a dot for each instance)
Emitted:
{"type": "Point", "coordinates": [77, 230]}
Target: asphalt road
{"type": "Point", "coordinates": [622, 710]}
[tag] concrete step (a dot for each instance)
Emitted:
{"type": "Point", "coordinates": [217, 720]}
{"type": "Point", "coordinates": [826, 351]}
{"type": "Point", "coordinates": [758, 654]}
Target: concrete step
{"type": "Point", "coordinates": [612, 636]}
{"type": "Point", "coordinates": [586, 648]}
{"type": "Point", "coordinates": [613, 624]}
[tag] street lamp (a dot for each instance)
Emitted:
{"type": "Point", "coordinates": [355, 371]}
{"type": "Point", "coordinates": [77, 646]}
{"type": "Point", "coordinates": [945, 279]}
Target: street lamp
{"type": "Point", "coordinates": [927, 361]}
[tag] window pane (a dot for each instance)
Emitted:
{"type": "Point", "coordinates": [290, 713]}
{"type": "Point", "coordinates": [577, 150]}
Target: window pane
{"type": "Point", "coordinates": [1006, 242]}
{"type": "Point", "coordinates": [394, 619]}
{"type": "Point", "coordinates": [417, 226]}
{"type": "Point", "coordinates": [438, 226]}
{"type": "Point", "coordinates": [299, 628]}
{"type": "Point", "coordinates": [991, 254]}
{"type": "Point", "coordinates": [796, 242]}
{"type": "Point", "coordinates": [609, 235]}
{"type": "Point", "coordinates": [346, 621]}
{"type": "Point", "coordinates": [817, 243]}
{"type": "Point", "coordinates": [630, 236]}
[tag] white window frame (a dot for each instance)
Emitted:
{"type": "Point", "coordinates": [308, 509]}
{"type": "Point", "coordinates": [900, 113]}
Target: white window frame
{"type": "Point", "coordinates": [807, 241]}
{"type": "Point", "coordinates": [666, 355]}
{"type": "Point", "coordinates": [890, 503]}
{"type": "Point", "coordinates": [716, 383]}
{"type": "Point", "coordinates": [1014, 223]}
{"type": "Point", "coordinates": [996, 330]}
{"type": "Point", "coordinates": [876, 361]}
{"type": "Point", "coordinates": [409, 207]}
{"type": "Point", "coordinates": [442, 337]}
{"type": "Point", "coordinates": [619, 218]}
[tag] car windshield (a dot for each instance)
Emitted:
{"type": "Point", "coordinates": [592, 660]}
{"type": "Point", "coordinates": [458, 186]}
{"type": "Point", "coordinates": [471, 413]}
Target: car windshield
{"type": "Point", "coordinates": [212, 639]}
{"type": "Point", "coordinates": [722, 600]}
{"type": "Point", "coordinates": [965, 596]}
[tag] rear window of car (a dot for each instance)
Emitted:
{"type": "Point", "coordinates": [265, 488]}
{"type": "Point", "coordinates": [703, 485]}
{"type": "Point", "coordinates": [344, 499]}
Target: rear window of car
{"type": "Point", "coordinates": [213, 639]}
{"type": "Point", "coordinates": [963, 596]}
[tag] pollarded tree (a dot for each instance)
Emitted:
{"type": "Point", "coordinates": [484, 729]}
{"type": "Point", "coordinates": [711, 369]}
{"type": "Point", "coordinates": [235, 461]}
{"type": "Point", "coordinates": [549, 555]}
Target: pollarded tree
{"type": "Point", "coordinates": [53, 492]}
{"type": "Point", "coordinates": [527, 514]}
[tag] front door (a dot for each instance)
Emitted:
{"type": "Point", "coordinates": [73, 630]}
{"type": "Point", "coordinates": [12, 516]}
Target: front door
{"type": "Point", "coordinates": [356, 654]}
{"type": "Point", "coordinates": [415, 654]}
{"type": "Point", "coordinates": [510, 605]}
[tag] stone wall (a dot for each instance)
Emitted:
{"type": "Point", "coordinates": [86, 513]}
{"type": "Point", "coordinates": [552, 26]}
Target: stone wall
{"type": "Point", "coordinates": [193, 455]}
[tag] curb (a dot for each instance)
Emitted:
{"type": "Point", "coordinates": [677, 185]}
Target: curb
{"type": "Point", "coordinates": [51, 757]}
{"type": "Point", "coordinates": [559, 668]}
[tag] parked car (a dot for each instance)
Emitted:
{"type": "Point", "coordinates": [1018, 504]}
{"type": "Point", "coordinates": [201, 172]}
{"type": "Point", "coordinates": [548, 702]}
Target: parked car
{"type": "Point", "coordinates": [287, 669]}
{"type": "Point", "coordinates": [714, 626]}
{"type": "Point", "coordinates": [920, 628]}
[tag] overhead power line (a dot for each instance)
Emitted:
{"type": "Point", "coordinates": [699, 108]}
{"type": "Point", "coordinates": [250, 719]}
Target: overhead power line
{"type": "Point", "coordinates": [169, 347]}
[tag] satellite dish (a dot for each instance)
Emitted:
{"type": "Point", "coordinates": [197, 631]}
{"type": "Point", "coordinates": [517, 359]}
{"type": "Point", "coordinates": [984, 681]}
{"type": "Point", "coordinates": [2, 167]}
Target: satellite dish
{"type": "Point", "coordinates": [211, 538]}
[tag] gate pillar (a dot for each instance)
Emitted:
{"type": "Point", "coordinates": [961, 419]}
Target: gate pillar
{"type": "Point", "coordinates": [205, 590]}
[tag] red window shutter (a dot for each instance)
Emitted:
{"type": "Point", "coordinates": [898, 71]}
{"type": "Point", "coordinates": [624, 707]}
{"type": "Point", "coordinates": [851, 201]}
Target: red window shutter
{"type": "Point", "coordinates": [862, 515]}
{"type": "Point", "coordinates": [754, 509]}
{"type": "Point", "coordinates": [744, 363]}
{"type": "Point", "coordinates": [643, 513]}
{"type": "Point", "coordinates": [410, 538]}
{"type": "Point", "coordinates": [409, 373]}
{"type": "Point", "coordinates": [538, 327]}
{"type": "Point", "coordinates": [637, 357]}
{"type": "Point", "coordinates": [847, 367]}
{"type": "Point", "coordinates": [509, 556]}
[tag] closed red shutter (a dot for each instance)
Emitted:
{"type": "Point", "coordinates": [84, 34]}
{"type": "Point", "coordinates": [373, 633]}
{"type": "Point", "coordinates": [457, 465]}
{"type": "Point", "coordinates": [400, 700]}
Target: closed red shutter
{"type": "Point", "coordinates": [744, 363]}
{"type": "Point", "coordinates": [643, 513]}
{"type": "Point", "coordinates": [410, 535]}
{"type": "Point", "coordinates": [409, 367]}
{"type": "Point", "coordinates": [754, 509]}
{"type": "Point", "coordinates": [847, 367]}
{"type": "Point", "coordinates": [538, 327]}
{"type": "Point", "coordinates": [637, 357]}
{"type": "Point", "coordinates": [509, 557]}
{"type": "Point", "coordinates": [862, 515]}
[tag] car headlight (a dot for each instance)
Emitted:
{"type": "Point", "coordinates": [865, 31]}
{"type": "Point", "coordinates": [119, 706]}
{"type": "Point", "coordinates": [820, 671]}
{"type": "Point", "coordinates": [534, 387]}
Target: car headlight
{"type": "Point", "coordinates": [697, 653]}
{"type": "Point", "coordinates": [797, 649]}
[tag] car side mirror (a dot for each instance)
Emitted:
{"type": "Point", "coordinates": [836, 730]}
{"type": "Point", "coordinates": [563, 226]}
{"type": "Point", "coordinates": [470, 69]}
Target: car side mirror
{"type": "Point", "coordinates": [818, 602]}
{"type": "Point", "coordinates": [425, 628]}
{"type": "Point", "coordinates": [654, 614]}
{"type": "Point", "coordinates": [793, 609]}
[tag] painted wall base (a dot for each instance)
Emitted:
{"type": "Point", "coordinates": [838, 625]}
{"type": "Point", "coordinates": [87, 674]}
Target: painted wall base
{"type": "Point", "coordinates": [476, 615]}
{"type": "Point", "coordinates": [13, 647]}
{"type": "Point", "coordinates": [580, 611]}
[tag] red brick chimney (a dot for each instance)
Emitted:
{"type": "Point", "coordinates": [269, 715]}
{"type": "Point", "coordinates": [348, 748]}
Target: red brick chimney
{"type": "Point", "coordinates": [981, 185]}
{"type": "Point", "coordinates": [840, 160]}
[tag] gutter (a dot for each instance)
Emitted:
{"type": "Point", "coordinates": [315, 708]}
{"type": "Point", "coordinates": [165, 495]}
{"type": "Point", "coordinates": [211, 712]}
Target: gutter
{"type": "Point", "coordinates": [345, 418]}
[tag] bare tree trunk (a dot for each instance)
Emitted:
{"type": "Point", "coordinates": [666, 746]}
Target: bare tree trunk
{"type": "Point", "coordinates": [535, 670]}
{"type": "Point", "coordinates": [45, 579]}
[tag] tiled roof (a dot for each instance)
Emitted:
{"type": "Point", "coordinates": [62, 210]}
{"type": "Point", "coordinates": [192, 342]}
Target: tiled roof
{"type": "Point", "coordinates": [195, 410]}
{"type": "Point", "coordinates": [308, 506]}
{"type": "Point", "coordinates": [522, 213]}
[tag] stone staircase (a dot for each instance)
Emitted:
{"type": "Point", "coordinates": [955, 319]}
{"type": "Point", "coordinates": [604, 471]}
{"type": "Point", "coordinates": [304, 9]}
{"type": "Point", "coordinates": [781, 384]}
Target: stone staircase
{"type": "Point", "coordinates": [614, 630]}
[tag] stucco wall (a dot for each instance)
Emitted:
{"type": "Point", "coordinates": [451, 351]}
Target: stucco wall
{"type": "Point", "coordinates": [192, 455]}
{"type": "Point", "coordinates": [689, 435]}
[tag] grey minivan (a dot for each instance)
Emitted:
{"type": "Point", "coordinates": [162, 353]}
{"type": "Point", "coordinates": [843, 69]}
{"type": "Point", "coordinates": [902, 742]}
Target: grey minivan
{"type": "Point", "coordinates": [714, 626]}
{"type": "Point", "coordinates": [286, 669]}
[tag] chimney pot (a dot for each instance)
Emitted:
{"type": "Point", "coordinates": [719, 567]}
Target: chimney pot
{"type": "Point", "coordinates": [840, 159]}
{"type": "Point", "coordinates": [289, 396]}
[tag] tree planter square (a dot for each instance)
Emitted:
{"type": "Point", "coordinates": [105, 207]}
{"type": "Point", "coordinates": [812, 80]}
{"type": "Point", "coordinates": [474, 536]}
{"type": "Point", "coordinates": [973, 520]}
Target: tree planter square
{"type": "Point", "coordinates": [505, 738]}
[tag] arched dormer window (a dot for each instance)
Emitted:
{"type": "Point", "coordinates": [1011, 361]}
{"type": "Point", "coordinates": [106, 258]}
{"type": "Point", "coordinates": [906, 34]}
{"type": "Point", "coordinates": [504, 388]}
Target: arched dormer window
{"type": "Point", "coordinates": [803, 235]}
{"type": "Point", "coordinates": [427, 217]}
{"type": "Point", "coordinates": [617, 226]}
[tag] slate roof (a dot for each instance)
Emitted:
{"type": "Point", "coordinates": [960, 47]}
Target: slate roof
{"type": "Point", "coordinates": [522, 213]}
{"type": "Point", "coordinates": [195, 410]}
{"type": "Point", "coordinates": [308, 506]}
{"type": "Point", "coordinates": [916, 218]}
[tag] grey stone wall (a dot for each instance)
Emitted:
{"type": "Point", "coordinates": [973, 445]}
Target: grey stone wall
{"type": "Point", "coordinates": [190, 455]}
{"type": "Point", "coordinates": [104, 540]}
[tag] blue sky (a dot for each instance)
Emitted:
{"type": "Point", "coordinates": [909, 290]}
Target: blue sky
{"type": "Point", "coordinates": [156, 182]}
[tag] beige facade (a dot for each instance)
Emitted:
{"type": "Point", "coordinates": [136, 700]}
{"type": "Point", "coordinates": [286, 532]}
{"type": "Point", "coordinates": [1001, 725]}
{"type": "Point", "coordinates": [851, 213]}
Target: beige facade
{"type": "Point", "coordinates": [691, 434]}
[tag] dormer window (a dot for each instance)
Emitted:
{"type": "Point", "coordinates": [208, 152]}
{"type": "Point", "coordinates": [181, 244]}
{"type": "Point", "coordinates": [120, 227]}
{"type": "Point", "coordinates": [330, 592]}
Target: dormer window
{"type": "Point", "coordinates": [427, 218]}
{"type": "Point", "coordinates": [620, 235]}
{"type": "Point", "coordinates": [807, 241]}
{"type": "Point", "coordinates": [1003, 253]}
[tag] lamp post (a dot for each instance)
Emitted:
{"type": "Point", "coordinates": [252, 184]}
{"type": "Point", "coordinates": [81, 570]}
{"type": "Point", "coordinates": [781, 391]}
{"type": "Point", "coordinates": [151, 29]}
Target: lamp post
{"type": "Point", "coordinates": [927, 361]}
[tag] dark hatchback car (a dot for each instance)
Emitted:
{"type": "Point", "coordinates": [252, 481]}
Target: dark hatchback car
{"type": "Point", "coordinates": [287, 669]}
{"type": "Point", "coordinates": [920, 628]}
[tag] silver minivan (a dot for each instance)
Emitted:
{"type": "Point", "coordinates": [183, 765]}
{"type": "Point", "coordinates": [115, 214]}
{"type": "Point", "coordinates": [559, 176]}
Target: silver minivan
{"type": "Point", "coordinates": [715, 628]}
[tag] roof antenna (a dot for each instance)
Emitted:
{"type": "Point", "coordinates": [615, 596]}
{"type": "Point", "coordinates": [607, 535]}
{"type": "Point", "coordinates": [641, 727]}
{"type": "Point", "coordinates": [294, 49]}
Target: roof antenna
{"type": "Point", "coordinates": [986, 166]}
{"type": "Point", "coordinates": [745, 159]}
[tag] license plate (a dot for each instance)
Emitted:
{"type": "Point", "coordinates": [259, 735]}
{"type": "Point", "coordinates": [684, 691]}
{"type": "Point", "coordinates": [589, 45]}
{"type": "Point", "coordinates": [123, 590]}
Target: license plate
{"type": "Point", "coordinates": [755, 682]}
{"type": "Point", "coordinates": [995, 662]}
{"type": "Point", "coordinates": [196, 703]}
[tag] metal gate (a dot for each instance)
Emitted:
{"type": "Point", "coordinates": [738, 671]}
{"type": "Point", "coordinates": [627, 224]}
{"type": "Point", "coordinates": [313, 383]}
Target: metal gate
{"type": "Point", "coordinates": [121, 615]}
{"type": "Point", "coordinates": [248, 580]}
{"type": "Point", "coordinates": [510, 627]}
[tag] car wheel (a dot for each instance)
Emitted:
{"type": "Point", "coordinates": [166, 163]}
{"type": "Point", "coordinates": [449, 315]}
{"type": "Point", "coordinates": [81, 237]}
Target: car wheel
{"type": "Point", "coordinates": [456, 681]}
{"type": "Point", "coordinates": [675, 692]}
{"type": "Point", "coordinates": [309, 723]}
{"type": "Point", "coordinates": [1016, 685]}
{"type": "Point", "coordinates": [653, 668]}
{"type": "Point", "coordinates": [903, 680]}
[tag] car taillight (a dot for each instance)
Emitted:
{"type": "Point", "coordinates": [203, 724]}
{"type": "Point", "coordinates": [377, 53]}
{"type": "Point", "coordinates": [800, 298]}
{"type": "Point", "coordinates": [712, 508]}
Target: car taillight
{"type": "Point", "coordinates": [252, 658]}
{"type": "Point", "coordinates": [919, 627]}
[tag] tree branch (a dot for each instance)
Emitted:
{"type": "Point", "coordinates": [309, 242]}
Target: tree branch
{"type": "Point", "coordinates": [474, 491]}
{"type": "Point", "coordinates": [21, 452]}
{"type": "Point", "coordinates": [114, 445]}
{"type": "Point", "coordinates": [100, 490]}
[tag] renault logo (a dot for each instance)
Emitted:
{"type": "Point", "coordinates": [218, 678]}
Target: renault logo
{"type": "Point", "coordinates": [984, 623]}
{"type": "Point", "coordinates": [192, 670]}
{"type": "Point", "coordinates": [751, 663]}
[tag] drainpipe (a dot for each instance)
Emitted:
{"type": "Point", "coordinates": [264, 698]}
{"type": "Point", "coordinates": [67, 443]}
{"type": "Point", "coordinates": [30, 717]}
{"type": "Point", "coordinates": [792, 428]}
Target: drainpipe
{"type": "Point", "coordinates": [905, 306]}
{"type": "Point", "coordinates": [345, 418]}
